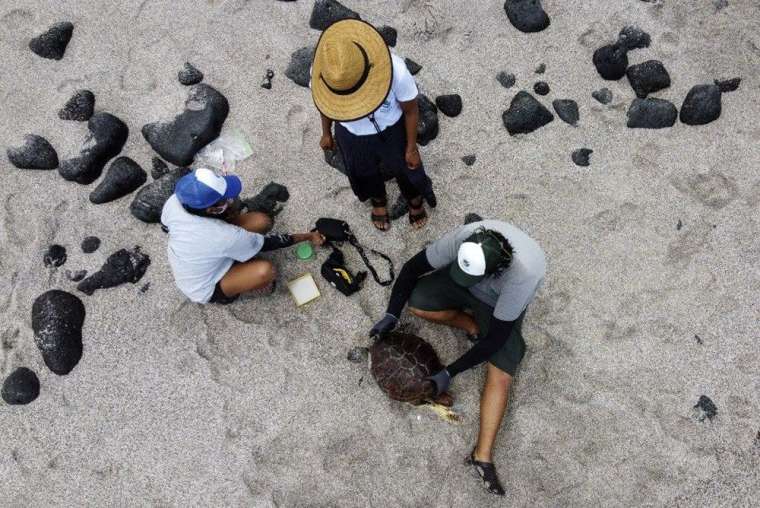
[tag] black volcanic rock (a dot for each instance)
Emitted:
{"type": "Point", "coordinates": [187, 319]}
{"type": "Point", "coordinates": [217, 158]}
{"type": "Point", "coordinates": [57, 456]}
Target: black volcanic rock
{"type": "Point", "coordinates": [90, 244]}
{"type": "Point", "coordinates": [189, 75]}
{"type": "Point", "coordinates": [706, 408]}
{"type": "Point", "coordinates": [581, 156]}
{"type": "Point", "coordinates": [525, 114]}
{"type": "Point", "coordinates": [728, 85]}
{"type": "Point", "coordinates": [449, 105]}
{"type": "Point", "coordinates": [651, 113]}
{"type": "Point", "coordinates": [412, 66]}
{"type": "Point", "coordinates": [389, 35]}
{"type": "Point", "coordinates": [21, 387]}
{"type": "Point", "coordinates": [35, 153]}
{"type": "Point", "coordinates": [603, 95]}
{"type": "Point", "coordinates": [632, 37]}
{"type": "Point", "coordinates": [57, 319]}
{"type": "Point", "coordinates": [104, 142]}
{"type": "Point", "coordinates": [266, 82]}
{"type": "Point", "coordinates": [159, 168]}
{"type": "Point", "coordinates": [506, 79]}
{"type": "Point", "coordinates": [75, 276]}
{"type": "Point", "coordinates": [526, 15]}
{"type": "Point", "coordinates": [268, 200]}
{"type": "Point", "coordinates": [469, 160]}
{"type": "Point", "coordinates": [54, 256]}
{"type": "Point", "coordinates": [149, 200]}
{"type": "Point", "coordinates": [702, 105]}
{"type": "Point", "coordinates": [541, 88]}
{"type": "Point", "coordinates": [52, 44]}
{"type": "Point", "coordinates": [121, 267]}
{"type": "Point", "coordinates": [648, 77]}
{"type": "Point", "coordinates": [300, 63]}
{"type": "Point", "coordinates": [540, 69]}
{"type": "Point", "coordinates": [567, 110]}
{"type": "Point", "coordinates": [611, 61]}
{"type": "Point", "coordinates": [327, 12]}
{"type": "Point", "coordinates": [79, 108]}
{"type": "Point", "coordinates": [427, 125]}
{"type": "Point", "coordinates": [123, 177]}
{"type": "Point", "coordinates": [178, 140]}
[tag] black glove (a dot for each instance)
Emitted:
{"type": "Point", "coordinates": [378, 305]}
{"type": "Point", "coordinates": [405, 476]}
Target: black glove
{"type": "Point", "coordinates": [385, 325]}
{"type": "Point", "coordinates": [441, 379]}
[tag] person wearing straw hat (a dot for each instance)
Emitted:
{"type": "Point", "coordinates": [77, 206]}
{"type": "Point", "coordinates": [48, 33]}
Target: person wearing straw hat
{"type": "Point", "coordinates": [371, 97]}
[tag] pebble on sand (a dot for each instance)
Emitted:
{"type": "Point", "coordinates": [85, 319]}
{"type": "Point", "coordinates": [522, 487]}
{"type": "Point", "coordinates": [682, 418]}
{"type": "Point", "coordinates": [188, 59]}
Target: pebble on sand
{"type": "Point", "coordinates": [506, 79]}
{"type": "Point", "coordinates": [21, 387]}
{"type": "Point", "coordinates": [189, 75]}
{"type": "Point", "coordinates": [527, 15]}
{"type": "Point", "coordinates": [300, 63]}
{"type": "Point", "coordinates": [449, 105]}
{"type": "Point", "coordinates": [540, 69]}
{"type": "Point", "coordinates": [159, 168]}
{"type": "Point", "coordinates": [581, 156]}
{"type": "Point", "coordinates": [148, 202]}
{"type": "Point", "coordinates": [358, 354]}
{"type": "Point", "coordinates": [525, 114]}
{"type": "Point", "coordinates": [75, 276]}
{"type": "Point", "coordinates": [104, 142]}
{"type": "Point", "coordinates": [412, 66]}
{"type": "Point", "coordinates": [611, 60]}
{"type": "Point", "coordinates": [79, 108]}
{"type": "Point", "coordinates": [706, 408]}
{"type": "Point", "coordinates": [469, 160]}
{"type": "Point", "coordinates": [35, 153]}
{"type": "Point", "coordinates": [327, 12]}
{"type": "Point", "coordinates": [121, 267]}
{"type": "Point", "coordinates": [266, 82]}
{"type": "Point", "coordinates": [54, 256]}
{"type": "Point", "coordinates": [651, 113]}
{"type": "Point", "coordinates": [57, 319]}
{"type": "Point", "coordinates": [702, 105]}
{"type": "Point", "coordinates": [268, 199]}
{"type": "Point", "coordinates": [123, 177]}
{"type": "Point", "coordinates": [177, 141]}
{"type": "Point", "coordinates": [541, 88]}
{"type": "Point", "coordinates": [52, 43]}
{"type": "Point", "coordinates": [648, 77]}
{"type": "Point", "coordinates": [90, 244]}
{"type": "Point", "coordinates": [603, 95]}
{"type": "Point", "coordinates": [390, 35]}
{"type": "Point", "coordinates": [427, 125]}
{"type": "Point", "coordinates": [567, 110]}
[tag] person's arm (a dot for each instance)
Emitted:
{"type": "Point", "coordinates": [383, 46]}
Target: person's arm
{"type": "Point", "coordinates": [326, 142]}
{"type": "Point", "coordinates": [275, 241]}
{"type": "Point", "coordinates": [411, 117]}
{"type": "Point", "coordinates": [412, 270]}
{"type": "Point", "coordinates": [494, 340]}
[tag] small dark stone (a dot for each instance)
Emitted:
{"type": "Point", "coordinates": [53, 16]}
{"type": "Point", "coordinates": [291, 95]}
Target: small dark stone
{"type": "Point", "coordinates": [427, 125]}
{"type": "Point", "coordinates": [472, 217]}
{"type": "Point", "coordinates": [632, 37]}
{"type": "Point", "coordinates": [335, 159]}
{"type": "Point", "coordinates": [121, 267]}
{"type": "Point", "coordinates": [123, 177]}
{"type": "Point", "coordinates": [603, 95]}
{"type": "Point", "coordinates": [728, 85]}
{"type": "Point", "coordinates": [149, 201]}
{"type": "Point", "coordinates": [389, 35]}
{"type": "Point", "coordinates": [159, 169]}
{"type": "Point", "coordinates": [450, 105]}
{"type": "Point", "coordinates": [90, 244]}
{"type": "Point", "coordinates": [506, 79]}
{"type": "Point", "coordinates": [702, 105]}
{"type": "Point", "coordinates": [327, 12]}
{"type": "Point", "coordinates": [55, 256]}
{"type": "Point", "coordinates": [469, 160]}
{"type": "Point", "coordinates": [79, 108]}
{"type": "Point", "coordinates": [648, 77]}
{"type": "Point", "coordinates": [52, 44]}
{"type": "Point", "coordinates": [541, 68]}
{"type": "Point", "coordinates": [541, 88]}
{"type": "Point", "coordinates": [107, 137]}
{"type": "Point", "coordinates": [358, 354]}
{"type": "Point", "coordinates": [581, 156]}
{"type": "Point", "coordinates": [145, 288]}
{"type": "Point", "coordinates": [21, 387]}
{"type": "Point", "coordinates": [267, 81]}
{"type": "Point", "coordinates": [35, 153]}
{"type": "Point", "coordinates": [679, 225]}
{"type": "Point", "coordinates": [651, 113]}
{"type": "Point", "coordinates": [178, 140]}
{"type": "Point", "coordinates": [57, 319]}
{"type": "Point", "coordinates": [706, 407]}
{"type": "Point", "coordinates": [526, 15]}
{"type": "Point", "coordinates": [76, 276]}
{"type": "Point", "coordinates": [611, 61]}
{"type": "Point", "coordinates": [412, 66]}
{"type": "Point", "coordinates": [525, 114]}
{"type": "Point", "coordinates": [399, 209]}
{"type": "Point", "coordinates": [720, 4]}
{"type": "Point", "coordinates": [189, 75]}
{"type": "Point", "coordinates": [268, 200]}
{"type": "Point", "coordinates": [698, 339]}
{"type": "Point", "coordinates": [567, 110]}
{"type": "Point", "coordinates": [299, 67]}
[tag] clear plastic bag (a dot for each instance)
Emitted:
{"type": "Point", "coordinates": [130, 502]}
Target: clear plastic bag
{"type": "Point", "coordinates": [224, 152]}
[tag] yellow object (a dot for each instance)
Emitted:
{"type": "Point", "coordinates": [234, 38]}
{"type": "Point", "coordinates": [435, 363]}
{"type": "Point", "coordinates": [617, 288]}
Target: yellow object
{"type": "Point", "coordinates": [304, 289]}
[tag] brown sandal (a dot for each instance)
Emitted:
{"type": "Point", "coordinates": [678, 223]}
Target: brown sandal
{"type": "Point", "coordinates": [382, 218]}
{"type": "Point", "coordinates": [417, 218]}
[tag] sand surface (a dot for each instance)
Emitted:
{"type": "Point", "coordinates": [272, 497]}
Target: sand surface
{"type": "Point", "coordinates": [255, 404]}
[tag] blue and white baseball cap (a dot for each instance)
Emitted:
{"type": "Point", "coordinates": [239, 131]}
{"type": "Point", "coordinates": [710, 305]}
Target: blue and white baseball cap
{"type": "Point", "coordinates": [203, 188]}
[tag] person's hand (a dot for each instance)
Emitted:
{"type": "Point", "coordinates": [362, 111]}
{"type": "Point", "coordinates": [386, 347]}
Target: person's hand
{"type": "Point", "coordinates": [327, 142]}
{"type": "Point", "coordinates": [441, 380]}
{"type": "Point", "coordinates": [316, 238]}
{"type": "Point", "coordinates": [412, 157]}
{"type": "Point", "coordinates": [385, 325]}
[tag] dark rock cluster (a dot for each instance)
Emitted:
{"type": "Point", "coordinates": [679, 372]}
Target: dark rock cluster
{"type": "Point", "coordinates": [57, 319]}
{"type": "Point", "coordinates": [327, 12]}
{"type": "Point", "coordinates": [123, 177]}
{"type": "Point", "coordinates": [52, 43]}
{"type": "Point", "coordinates": [427, 126]}
{"type": "Point", "coordinates": [389, 35]}
{"type": "Point", "coordinates": [35, 153]}
{"type": "Point", "coordinates": [268, 200]}
{"type": "Point", "coordinates": [149, 200]}
{"type": "Point", "coordinates": [525, 114]}
{"type": "Point", "coordinates": [267, 81]}
{"type": "Point", "coordinates": [21, 387]}
{"type": "Point", "coordinates": [121, 267]}
{"type": "Point", "coordinates": [299, 66]}
{"type": "Point", "coordinates": [104, 142]}
{"type": "Point", "coordinates": [527, 15]}
{"type": "Point", "coordinates": [611, 61]}
{"type": "Point", "coordinates": [79, 108]}
{"type": "Point", "coordinates": [54, 256]}
{"type": "Point", "coordinates": [449, 105]}
{"type": "Point", "coordinates": [189, 75]}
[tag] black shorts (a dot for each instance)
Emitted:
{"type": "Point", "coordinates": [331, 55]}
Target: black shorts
{"type": "Point", "coordinates": [437, 291]}
{"type": "Point", "coordinates": [219, 296]}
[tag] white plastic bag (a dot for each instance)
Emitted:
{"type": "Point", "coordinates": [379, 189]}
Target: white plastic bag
{"type": "Point", "coordinates": [224, 152]}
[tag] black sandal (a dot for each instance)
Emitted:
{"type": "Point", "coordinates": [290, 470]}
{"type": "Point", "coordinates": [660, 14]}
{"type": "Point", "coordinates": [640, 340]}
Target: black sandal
{"type": "Point", "coordinates": [382, 218]}
{"type": "Point", "coordinates": [487, 474]}
{"type": "Point", "coordinates": [415, 218]}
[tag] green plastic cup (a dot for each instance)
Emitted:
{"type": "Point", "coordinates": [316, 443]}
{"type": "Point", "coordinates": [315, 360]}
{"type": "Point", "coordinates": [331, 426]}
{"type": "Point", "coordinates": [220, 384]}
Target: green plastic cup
{"type": "Point", "coordinates": [304, 251]}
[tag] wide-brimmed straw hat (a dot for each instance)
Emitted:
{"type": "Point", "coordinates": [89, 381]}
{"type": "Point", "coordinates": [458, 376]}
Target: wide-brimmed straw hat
{"type": "Point", "coordinates": [352, 71]}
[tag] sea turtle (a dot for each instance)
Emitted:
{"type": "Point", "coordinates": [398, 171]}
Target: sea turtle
{"type": "Point", "coordinates": [400, 362]}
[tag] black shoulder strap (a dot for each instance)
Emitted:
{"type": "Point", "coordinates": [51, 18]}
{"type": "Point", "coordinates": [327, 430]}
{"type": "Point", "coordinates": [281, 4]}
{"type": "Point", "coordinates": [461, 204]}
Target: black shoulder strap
{"type": "Point", "coordinates": [391, 273]}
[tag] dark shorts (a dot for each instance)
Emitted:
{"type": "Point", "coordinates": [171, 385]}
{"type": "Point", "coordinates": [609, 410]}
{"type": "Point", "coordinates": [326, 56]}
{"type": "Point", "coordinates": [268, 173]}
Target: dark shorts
{"type": "Point", "coordinates": [437, 291]}
{"type": "Point", "coordinates": [219, 296]}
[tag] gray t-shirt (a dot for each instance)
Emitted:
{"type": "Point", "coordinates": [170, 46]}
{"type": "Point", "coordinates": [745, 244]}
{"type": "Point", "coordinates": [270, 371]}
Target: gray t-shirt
{"type": "Point", "coordinates": [512, 291]}
{"type": "Point", "coordinates": [202, 250]}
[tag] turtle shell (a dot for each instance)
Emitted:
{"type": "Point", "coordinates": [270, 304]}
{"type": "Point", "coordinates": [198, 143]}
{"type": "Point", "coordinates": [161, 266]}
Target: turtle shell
{"type": "Point", "coordinates": [400, 362]}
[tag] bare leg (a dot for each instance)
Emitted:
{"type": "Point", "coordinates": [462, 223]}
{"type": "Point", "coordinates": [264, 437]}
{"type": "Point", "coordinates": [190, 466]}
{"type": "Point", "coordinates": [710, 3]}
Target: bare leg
{"type": "Point", "coordinates": [255, 222]}
{"type": "Point", "coordinates": [248, 276]}
{"type": "Point", "coordinates": [453, 318]}
{"type": "Point", "coordinates": [493, 405]}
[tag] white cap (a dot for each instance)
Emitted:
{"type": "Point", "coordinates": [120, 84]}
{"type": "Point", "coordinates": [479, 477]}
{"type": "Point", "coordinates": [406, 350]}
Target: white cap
{"type": "Point", "coordinates": [471, 259]}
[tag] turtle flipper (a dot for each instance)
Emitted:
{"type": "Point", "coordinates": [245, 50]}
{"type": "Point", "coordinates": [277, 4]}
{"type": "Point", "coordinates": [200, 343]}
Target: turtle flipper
{"type": "Point", "coordinates": [445, 413]}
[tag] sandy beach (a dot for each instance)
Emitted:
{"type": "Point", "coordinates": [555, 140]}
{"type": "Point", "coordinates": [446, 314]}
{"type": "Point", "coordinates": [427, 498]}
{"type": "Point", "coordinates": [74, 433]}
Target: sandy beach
{"type": "Point", "coordinates": [651, 299]}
